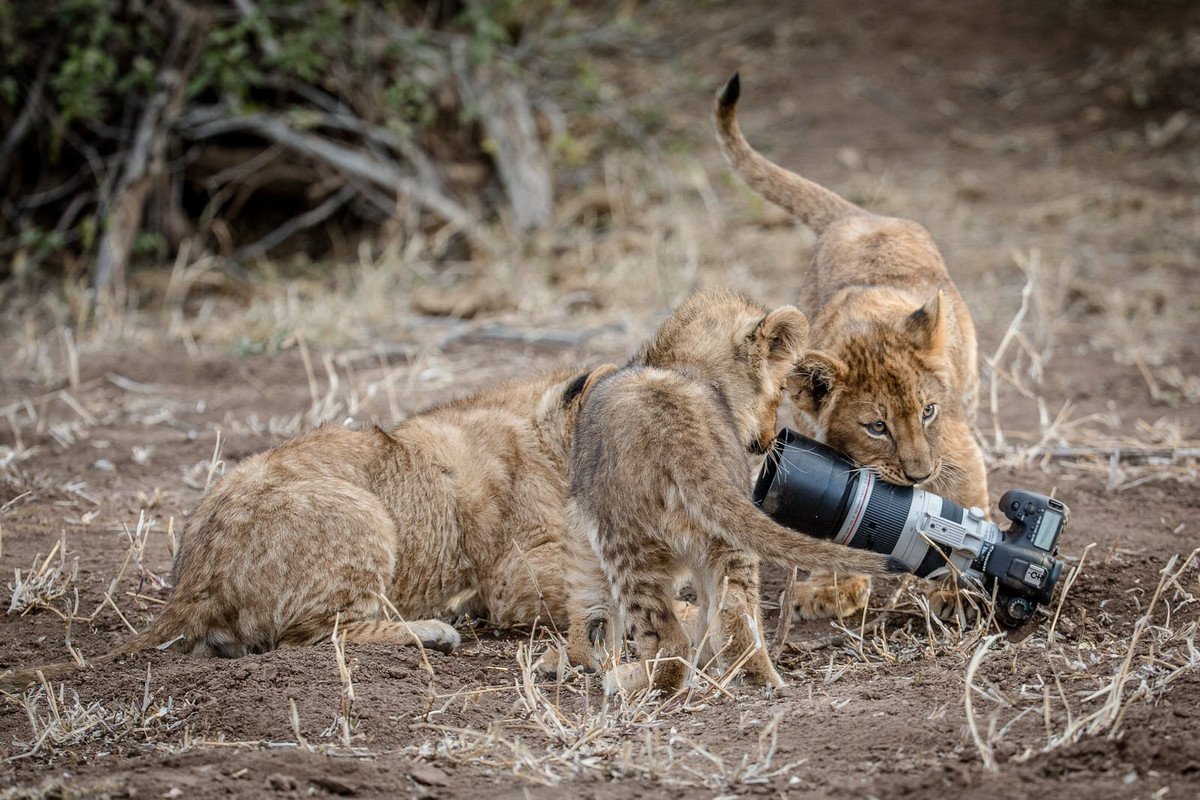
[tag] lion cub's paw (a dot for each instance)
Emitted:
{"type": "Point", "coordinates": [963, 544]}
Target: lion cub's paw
{"type": "Point", "coordinates": [629, 678]}
{"type": "Point", "coordinates": [947, 603]}
{"type": "Point", "coordinates": [555, 661]}
{"type": "Point", "coordinates": [436, 635]}
{"type": "Point", "coordinates": [551, 663]}
{"type": "Point", "coordinates": [824, 597]}
{"type": "Point", "coordinates": [761, 679]}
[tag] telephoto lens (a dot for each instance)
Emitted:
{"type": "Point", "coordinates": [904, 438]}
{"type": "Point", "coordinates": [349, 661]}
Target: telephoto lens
{"type": "Point", "coordinates": [812, 488]}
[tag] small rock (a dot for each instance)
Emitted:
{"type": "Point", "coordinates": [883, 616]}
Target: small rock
{"type": "Point", "coordinates": [279, 782]}
{"type": "Point", "coordinates": [103, 464]}
{"type": "Point", "coordinates": [849, 158]}
{"type": "Point", "coordinates": [428, 776]}
{"type": "Point", "coordinates": [334, 786]}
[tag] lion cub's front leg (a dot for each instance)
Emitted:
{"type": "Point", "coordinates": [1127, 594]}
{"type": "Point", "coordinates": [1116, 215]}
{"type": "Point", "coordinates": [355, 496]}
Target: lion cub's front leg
{"type": "Point", "coordinates": [732, 594]}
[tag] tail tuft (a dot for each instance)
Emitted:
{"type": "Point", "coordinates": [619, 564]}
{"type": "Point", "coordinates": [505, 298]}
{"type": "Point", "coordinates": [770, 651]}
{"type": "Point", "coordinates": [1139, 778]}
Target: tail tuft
{"type": "Point", "coordinates": [897, 565]}
{"type": "Point", "coordinates": [729, 95]}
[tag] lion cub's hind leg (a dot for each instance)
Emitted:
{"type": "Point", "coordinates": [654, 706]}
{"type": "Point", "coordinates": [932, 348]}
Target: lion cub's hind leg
{"type": "Point", "coordinates": [431, 633]}
{"type": "Point", "coordinates": [826, 595]}
{"type": "Point", "coordinates": [333, 560]}
{"type": "Point", "coordinates": [644, 584]}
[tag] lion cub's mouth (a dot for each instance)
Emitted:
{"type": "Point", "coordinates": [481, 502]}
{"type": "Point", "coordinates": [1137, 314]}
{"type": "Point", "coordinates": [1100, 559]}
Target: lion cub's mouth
{"type": "Point", "coordinates": [898, 478]}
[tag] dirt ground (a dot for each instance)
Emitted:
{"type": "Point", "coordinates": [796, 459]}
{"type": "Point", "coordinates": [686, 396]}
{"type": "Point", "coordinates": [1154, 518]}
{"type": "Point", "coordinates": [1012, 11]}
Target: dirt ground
{"type": "Point", "coordinates": [1005, 128]}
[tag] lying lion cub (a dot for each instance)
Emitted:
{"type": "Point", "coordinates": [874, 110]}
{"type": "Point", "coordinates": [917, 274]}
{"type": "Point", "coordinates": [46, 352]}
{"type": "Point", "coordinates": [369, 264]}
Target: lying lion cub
{"type": "Point", "coordinates": [660, 487]}
{"type": "Point", "coordinates": [459, 508]}
{"type": "Point", "coordinates": [892, 380]}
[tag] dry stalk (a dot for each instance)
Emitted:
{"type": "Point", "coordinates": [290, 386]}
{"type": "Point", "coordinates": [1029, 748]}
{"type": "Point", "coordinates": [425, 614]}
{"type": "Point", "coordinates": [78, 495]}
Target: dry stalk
{"type": "Point", "coordinates": [60, 721]}
{"type": "Point", "coordinates": [214, 464]}
{"type": "Point", "coordinates": [295, 719]}
{"type": "Point", "coordinates": [1030, 267]}
{"type": "Point", "coordinates": [342, 723]}
{"type": "Point", "coordinates": [984, 747]}
{"type": "Point", "coordinates": [71, 357]}
{"type": "Point", "coordinates": [555, 734]}
{"type": "Point", "coordinates": [138, 539]}
{"type": "Point", "coordinates": [1110, 715]}
{"type": "Point", "coordinates": [45, 582]}
{"type": "Point", "coordinates": [1062, 596]}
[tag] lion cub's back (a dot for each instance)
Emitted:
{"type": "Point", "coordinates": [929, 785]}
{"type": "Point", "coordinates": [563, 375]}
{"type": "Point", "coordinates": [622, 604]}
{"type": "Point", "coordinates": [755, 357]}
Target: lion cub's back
{"type": "Point", "coordinates": [638, 428]}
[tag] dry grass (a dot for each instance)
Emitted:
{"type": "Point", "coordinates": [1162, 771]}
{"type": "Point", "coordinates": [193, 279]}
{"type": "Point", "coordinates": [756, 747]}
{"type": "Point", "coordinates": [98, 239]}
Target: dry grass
{"type": "Point", "coordinates": [61, 722]}
{"type": "Point", "coordinates": [1096, 443]}
{"type": "Point", "coordinates": [557, 731]}
{"type": "Point", "coordinates": [44, 583]}
{"type": "Point", "coordinates": [1087, 687]}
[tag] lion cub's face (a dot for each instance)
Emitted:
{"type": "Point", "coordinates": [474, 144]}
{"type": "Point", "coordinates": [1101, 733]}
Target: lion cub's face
{"type": "Point", "coordinates": [884, 399]}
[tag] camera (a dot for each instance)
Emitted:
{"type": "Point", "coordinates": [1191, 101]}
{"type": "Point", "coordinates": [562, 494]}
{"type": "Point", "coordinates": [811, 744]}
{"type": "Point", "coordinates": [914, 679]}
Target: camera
{"type": "Point", "coordinates": [814, 489]}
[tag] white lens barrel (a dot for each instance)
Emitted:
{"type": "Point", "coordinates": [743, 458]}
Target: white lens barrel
{"type": "Point", "coordinates": [963, 533]}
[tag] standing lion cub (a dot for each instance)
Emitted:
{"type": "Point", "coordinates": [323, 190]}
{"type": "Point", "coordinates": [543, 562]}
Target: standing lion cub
{"type": "Point", "coordinates": [459, 508]}
{"type": "Point", "coordinates": [660, 472]}
{"type": "Point", "coordinates": [892, 380]}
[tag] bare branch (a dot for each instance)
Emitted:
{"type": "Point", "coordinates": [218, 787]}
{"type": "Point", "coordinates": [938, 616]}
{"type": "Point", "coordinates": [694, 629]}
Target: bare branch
{"type": "Point", "coordinates": [507, 119]}
{"type": "Point", "coordinates": [145, 159]}
{"type": "Point", "coordinates": [352, 162]}
{"type": "Point", "coordinates": [296, 224]}
{"type": "Point", "coordinates": [16, 134]}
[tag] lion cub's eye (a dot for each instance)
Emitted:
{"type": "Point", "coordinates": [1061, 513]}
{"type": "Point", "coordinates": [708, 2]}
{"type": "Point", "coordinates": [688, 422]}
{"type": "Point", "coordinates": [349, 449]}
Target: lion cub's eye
{"type": "Point", "coordinates": [929, 413]}
{"type": "Point", "coordinates": [877, 428]}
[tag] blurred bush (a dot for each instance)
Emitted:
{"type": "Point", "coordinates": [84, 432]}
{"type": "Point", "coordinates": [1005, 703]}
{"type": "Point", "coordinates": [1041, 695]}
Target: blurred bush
{"type": "Point", "coordinates": [132, 126]}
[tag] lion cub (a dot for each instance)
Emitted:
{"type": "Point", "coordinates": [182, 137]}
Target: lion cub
{"type": "Point", "coordinates": [458, 508]}
{"type": "Point", "coordinates": [660, 471]}
{"type": "Point", "coordinates": [892, 379]}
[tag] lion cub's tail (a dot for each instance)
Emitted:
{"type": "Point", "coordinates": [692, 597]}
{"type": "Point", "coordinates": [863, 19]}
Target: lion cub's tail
{"type": "Point", "coordinates": [814, 205]}
{"type": "Point", "coordinates": [728, 515]}
{"type": "Point", "coordinates": [166, 628]}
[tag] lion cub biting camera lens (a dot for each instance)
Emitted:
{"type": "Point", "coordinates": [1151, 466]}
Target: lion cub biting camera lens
{"type": "Point", "coordinates": [458, 509]}
{"type": "Point", "coordinates": [892, 379]}
{"type": "Point", "coordinates": [660, 473]}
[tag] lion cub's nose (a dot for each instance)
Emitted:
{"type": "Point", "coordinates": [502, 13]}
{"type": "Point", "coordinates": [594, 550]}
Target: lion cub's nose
{"type": "Point", "coordinates": [917, 478]}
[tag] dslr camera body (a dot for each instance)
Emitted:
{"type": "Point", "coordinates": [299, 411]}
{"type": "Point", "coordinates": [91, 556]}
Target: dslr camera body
{"type": "Point", "coordinates": [814, 489]}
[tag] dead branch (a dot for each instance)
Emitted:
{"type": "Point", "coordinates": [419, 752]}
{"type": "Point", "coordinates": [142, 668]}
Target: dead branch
{"type": "Point", "coordinates": [20, 128]}
{"type": "Point", "coordinates": [1131, 453]}
{"type": "Point", "coordinates": [544, 338]}
{"type": "Point", "coordinates": [296, 224]}
{"type": "Point", "coordinates": [144, 163]}
{"type": "Point", "coordinates": [507, 119]}
{"type": "Point", "coordinates": [370, 168]}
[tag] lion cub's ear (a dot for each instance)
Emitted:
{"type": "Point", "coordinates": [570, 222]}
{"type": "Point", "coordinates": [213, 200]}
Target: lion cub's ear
{"type": "Point", "coordinates": [927, 325]}
{"type": "Point", "coordinates": [816, 374]}
{"type": "Point", "coordinates": [581, 384]}
{"type": "Point", "coordinates": [781, 335]}
{"type": "Point", "coordinates": [598, 374]}
{"type": "Point", "coordinates": [565, 398]}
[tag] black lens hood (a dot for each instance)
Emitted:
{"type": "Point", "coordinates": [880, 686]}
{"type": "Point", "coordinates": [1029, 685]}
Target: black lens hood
{"type": "Point", "coordinates": [805, 485]}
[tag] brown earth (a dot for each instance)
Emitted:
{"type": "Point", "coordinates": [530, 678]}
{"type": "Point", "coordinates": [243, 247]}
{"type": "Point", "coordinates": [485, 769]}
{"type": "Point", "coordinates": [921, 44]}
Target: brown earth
{"type": "Point", "coordinates": [1006, 128]}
